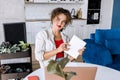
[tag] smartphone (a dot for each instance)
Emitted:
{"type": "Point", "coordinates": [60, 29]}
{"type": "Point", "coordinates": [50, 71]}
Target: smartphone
{"type": "Point", "coordinates": [33, 78]}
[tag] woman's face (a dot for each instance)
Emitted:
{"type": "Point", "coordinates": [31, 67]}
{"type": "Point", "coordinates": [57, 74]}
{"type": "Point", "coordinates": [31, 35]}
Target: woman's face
{"type": "Point", "coordinates": [59, 21]}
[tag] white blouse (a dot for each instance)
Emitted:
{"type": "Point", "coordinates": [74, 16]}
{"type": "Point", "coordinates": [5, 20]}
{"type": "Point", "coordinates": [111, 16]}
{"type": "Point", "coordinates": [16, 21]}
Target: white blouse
{"type": "Point", "coordinates": [45, 42]}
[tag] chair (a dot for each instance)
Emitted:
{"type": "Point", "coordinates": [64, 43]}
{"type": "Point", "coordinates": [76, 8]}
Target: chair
{"type": "Point", "coordinates": [103, 48]}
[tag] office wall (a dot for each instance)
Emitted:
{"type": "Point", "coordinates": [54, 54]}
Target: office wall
{"type": "Point", "coordinates": [106, 13]}
{"type": "Point", "coordinates": [116, 14]}
{"type": "Point", "coordinates": [10, 11]}
{"type": "Point", "coordinates": [13, 11]}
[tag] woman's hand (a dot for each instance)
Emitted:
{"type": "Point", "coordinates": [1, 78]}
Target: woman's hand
{"type": "Point", "coordinates": [81, 51]}
{"type": "Point", "coordinates": [63, 47]}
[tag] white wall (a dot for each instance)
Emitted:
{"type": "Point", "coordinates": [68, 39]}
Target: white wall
{"type": "Point", "coordinates": [38, 17]}
{"type": "Point", "coordinates": [106, 13]}
{"type": "Point", "coordinates": [105, 18]}
{"type": "Point", "coordinates": [13, 11]}
{"type": "Point", "coordinates": [10, 11]}
{"type": "Point", "coordinates": [42, 11]}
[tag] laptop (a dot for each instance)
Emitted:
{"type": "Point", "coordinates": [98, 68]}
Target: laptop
{"type": "Point", "coordinates": [83, 73]}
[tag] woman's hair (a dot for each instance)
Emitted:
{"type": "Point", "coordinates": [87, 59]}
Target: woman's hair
{"type": "Point", "coordinates": [58, 11]}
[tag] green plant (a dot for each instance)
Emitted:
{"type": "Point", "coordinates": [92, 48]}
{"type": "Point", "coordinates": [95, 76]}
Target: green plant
{"type": "Point", "coordinates": [55, 67]}
{"type": "Point", "coordinates": [14, 48]}
{"type": "Point", "coordinates": [6, 47]}
{"type": "Point", "coordinates": [24, 46]}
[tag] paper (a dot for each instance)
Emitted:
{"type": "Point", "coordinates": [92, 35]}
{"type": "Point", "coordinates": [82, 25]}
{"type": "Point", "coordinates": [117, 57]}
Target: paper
{"type": "Point", "coordinates": [75, 44]}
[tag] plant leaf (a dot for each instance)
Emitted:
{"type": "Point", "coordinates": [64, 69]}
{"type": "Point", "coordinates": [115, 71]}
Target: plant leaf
{"type": "Point", "coordinates": [24, 46]}
{"type": "Point", "coordinates": [63, 62]}
{"type": "Point", "coordinates": [54, 68]}
{"type": "Point", "coordinates": [68, 75]}
{"type": "Point", "coordinates": [14, 48]}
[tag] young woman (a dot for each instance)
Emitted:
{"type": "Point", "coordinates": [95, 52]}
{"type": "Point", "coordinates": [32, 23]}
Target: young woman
{"type": "Point", "coordinates": [50, 44]}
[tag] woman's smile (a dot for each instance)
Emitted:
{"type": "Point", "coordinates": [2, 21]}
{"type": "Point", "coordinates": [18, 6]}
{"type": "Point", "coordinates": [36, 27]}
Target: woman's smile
{"type": "Point", "coordinates": [59, 26]}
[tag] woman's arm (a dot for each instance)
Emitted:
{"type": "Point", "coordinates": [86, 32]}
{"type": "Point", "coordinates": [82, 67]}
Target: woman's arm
{"type": "Point", "coordinates": [51, 53]}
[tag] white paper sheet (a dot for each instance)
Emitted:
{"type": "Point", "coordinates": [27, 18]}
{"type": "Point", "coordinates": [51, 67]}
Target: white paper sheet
{"type": "Point", "coordinates": [75, 44]}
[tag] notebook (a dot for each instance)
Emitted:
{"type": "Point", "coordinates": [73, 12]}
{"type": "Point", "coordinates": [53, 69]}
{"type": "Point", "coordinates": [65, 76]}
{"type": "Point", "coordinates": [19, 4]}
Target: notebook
{"type": "Point", "coordinates": [83, 73]}
{"type": "Point", "coordinates": [75, 44]}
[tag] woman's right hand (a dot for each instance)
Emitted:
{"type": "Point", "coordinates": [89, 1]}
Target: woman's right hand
{"type": "Point", "coordinates": [63, 47]}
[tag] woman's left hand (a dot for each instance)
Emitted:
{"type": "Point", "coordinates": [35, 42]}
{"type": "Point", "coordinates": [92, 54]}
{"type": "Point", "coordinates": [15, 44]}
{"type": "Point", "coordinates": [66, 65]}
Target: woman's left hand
{"type": "Point", "coordinates": [81, 51]}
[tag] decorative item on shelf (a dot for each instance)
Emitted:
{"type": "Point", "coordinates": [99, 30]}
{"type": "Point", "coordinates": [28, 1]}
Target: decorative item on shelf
{"type": "Point", "coordinates": [4, 68]}
{"type": "Point", "coordinates": [79, 14]}
{"type": "Point", "coordinates": [28, 0]}
{"type": "Point", "coordinates": [73, 13]}
{"type": "Point", "coordinates": [55, 67]}
{"type": "Point", "coordinates": [15, 68]}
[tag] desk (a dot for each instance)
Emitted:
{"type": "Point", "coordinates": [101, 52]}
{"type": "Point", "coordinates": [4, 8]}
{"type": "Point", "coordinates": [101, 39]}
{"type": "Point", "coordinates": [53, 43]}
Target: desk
{"type": "Point", "coordinates": [103, 73]}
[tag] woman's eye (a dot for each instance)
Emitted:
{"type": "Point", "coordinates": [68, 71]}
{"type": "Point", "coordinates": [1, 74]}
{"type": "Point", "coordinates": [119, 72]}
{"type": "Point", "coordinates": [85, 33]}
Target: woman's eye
{"type": "Point", "coordinates": [65, 22]}
{"type": "Point", "coordinates": [58, 19]}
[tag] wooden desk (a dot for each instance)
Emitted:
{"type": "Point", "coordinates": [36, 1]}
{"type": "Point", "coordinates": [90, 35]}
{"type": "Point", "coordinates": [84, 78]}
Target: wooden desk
{"type": "Point", "coordinates": [103, 73]}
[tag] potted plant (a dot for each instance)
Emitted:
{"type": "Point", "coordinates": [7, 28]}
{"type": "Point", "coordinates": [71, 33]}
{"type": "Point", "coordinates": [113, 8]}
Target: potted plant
{"type": "Point", "coordinates": [19, 50]}
{"type": "Point", "coordinates": [6, 47]}
{"type": "Point", "coordinates": [24, 46]}
{"type": "Point", "coordinates": [56, 68]}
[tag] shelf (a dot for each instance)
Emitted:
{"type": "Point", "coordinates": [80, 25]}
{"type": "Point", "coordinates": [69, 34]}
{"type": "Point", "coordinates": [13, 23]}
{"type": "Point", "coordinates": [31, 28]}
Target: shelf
{"type": "Point", "coordinates": [13, 76]}
{"type": "Point", "coordinates": [93, 9]}
{"type": "Point", "coordinates": [16, 60]}
{"type": "Point", "coordinates": [15, 55]}
{"type": "Point", "coordinates": [79, 19]}
{"type": "Point", "coordinates": [55, 1]}
{"type": "Point", "coordinates": [19, 64]}
{"type": "Point", "coordinates": [36, 20]}
{"type": "Point", "coordinates": [16, 71]}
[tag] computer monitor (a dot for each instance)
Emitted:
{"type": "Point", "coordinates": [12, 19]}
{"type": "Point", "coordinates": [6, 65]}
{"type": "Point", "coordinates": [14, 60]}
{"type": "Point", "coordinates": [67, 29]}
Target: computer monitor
{"type": "Point", "coordinates": [15, 32]}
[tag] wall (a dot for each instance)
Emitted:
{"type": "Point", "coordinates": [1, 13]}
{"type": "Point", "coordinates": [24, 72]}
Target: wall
{"type": "Point", "coordinates": [13, 11]}
{"type": "Point", "coordinates": [116, 14]}
{"type": "Point", "coordinates": [39, 19]}
{"type": "Point", "coordinates": [106, 13]}
{"type": "Point", "coordinates": [10, 11]}
{"type": "Point", "coordinates": [42, 11]}
{"type": "Point", "coordinates": [80, 28]}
